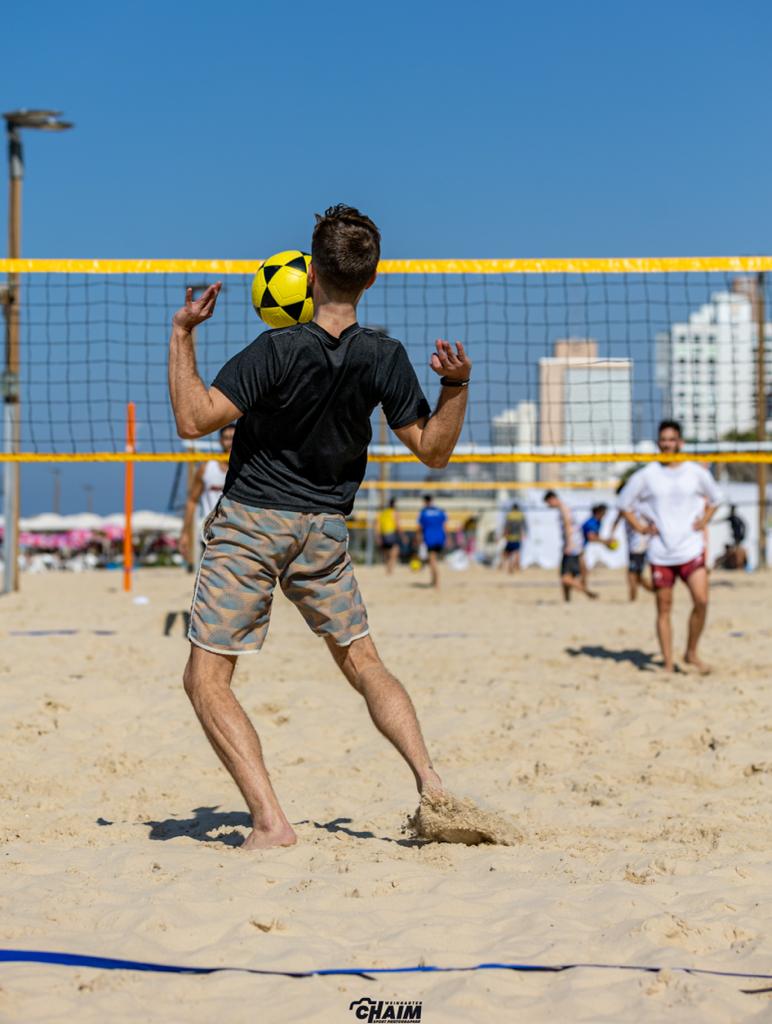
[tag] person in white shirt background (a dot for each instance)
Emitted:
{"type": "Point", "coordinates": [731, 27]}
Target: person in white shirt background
{"type": "Point", "coordinates": [205, 491]}
{"type": "Point", "coordinates": [680, 499]}
{"type": "Point", "coordinates": [637, 545]}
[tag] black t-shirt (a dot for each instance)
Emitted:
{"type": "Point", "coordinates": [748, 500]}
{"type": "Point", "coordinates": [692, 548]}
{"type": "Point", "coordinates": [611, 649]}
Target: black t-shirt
{"type": "Point", "coordinates": [307, 398]}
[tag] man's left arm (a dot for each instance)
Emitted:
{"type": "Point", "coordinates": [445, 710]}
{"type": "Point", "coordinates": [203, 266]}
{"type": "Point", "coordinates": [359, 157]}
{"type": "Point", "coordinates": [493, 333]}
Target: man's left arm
{"type": "Point", "coordinates": [198, 410]}
{"type": "Point", "coordinates": [434, 438]}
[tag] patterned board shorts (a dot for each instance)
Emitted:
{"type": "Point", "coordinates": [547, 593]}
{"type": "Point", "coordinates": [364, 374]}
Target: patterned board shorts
{"type": "Point", "coordinates": [246, 551]}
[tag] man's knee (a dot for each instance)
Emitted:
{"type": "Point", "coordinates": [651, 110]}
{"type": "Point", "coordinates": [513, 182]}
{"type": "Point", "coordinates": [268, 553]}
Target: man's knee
{"type": "Point", "coordinates": [664, 601]}
{"type": "Point", "coordinates": [357, 660]}
{"type": "Point", "coordinates": [189, 679]}
{"type": "Point", "coordinates": [204, 671]}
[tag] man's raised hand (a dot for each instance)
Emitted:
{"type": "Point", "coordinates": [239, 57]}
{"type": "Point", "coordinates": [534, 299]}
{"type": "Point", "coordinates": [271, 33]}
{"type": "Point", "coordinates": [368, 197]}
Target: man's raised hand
{"type": "Point", "coordinates": [447, 363]}
{"type": "Point", "coordinates": [195, 311]}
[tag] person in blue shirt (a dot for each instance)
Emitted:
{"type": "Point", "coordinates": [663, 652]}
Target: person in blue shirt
{"type": "Point", "coordinates": [431, 528]}
{"type": "Point", "coordinates": [591, 532]}
{"type": "Point", "coordinates": [591, 526]}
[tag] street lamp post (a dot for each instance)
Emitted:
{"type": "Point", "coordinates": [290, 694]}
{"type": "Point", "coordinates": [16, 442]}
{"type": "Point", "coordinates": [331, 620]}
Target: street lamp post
{"type": "Point", "coordinates": [56, 506]}
{"type": "Point", "coordinates": [41, 120]}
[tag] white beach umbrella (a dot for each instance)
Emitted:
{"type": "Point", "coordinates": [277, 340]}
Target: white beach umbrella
{"type": "Point", "coordinates": [46, 522]}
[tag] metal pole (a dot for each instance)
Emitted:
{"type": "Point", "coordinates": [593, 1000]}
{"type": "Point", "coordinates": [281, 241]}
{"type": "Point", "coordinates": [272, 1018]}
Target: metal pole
{"type": "Point", "coordinates": [11, 397]}
{"type": "Point", "coordinates": [370, 537]}
{"type": "Point", "coordinates": [761, 416]}
{"type": "Point", "coordinates": [128, 497]}
{"type": "Point", "coordinates": [383, 470]}
{"type": "Point", "coordinates": [194, 523]}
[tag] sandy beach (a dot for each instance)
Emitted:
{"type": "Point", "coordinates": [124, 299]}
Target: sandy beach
{"type": "Point", "coordinates": [644, 801]}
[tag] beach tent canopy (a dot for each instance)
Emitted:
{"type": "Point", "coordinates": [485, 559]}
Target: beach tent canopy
{"type": "Point", "coordinates": [141, 522]}
{"type": "Point", "coordinates": [147, 522]}
{"type": "Point", "coordinates": [46, 522]}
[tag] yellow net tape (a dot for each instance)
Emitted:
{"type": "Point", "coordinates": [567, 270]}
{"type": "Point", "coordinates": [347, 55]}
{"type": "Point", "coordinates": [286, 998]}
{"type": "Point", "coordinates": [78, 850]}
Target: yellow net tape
{"type": "Point", "coordinates": [580, 265]}
{"type": "Point", "coordinates": [728, 457]}
{"type": "Point", "coordinates": [489, 485]}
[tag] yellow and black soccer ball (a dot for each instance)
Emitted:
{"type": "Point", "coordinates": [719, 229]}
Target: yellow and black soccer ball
{"type": "Point", "coordinates": [281, 293]}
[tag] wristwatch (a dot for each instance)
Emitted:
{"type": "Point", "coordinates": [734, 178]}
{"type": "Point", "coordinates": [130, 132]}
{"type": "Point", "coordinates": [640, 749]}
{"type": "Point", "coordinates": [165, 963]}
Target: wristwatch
{"type": "Point", "coordinates": [446, 383]}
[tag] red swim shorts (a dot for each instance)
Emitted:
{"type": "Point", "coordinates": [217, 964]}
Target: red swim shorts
{"type": "Point", "coordinates": [664, 576]}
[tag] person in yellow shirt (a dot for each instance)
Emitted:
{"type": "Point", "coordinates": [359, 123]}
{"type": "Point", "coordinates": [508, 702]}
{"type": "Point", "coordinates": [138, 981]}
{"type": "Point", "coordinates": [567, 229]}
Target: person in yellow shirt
{"type": "Point", "coordinates": [514, 535]}
{"type": "Point", "coordinates": [390, 538]}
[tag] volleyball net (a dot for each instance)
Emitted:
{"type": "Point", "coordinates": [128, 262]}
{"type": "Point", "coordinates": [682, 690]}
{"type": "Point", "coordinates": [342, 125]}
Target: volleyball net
{"type": "Point", "coordinates": [575, 361]}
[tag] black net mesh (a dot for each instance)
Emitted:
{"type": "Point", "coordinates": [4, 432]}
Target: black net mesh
{"type": "Point", "coordinates": [562, 362]}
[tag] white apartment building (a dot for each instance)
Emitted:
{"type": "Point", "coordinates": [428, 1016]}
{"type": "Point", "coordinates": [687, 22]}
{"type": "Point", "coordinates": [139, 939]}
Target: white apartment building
{"type": "Point", "coordinates": [707, 367]}
{"type": "Point", "coordinates": [585, 406]}
{"type": "Point", "coordinates": [515, 429]}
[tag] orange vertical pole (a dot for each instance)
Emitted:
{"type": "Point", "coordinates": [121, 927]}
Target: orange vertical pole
{"type": "Point", "coordinates": [128, 503]}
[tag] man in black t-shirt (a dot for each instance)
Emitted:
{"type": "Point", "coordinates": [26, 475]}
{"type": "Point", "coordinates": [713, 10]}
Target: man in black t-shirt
{"type": "Point", "coordinates": [302, 398]}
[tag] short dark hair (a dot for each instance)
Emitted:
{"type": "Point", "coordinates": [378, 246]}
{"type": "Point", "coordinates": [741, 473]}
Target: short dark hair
{"type": "Point", "coordinates": [670, 425]}
{"type": "Point", "coordinates": [515, 507]}
{"type": "Point", "coordinates": [345, 249]}
{"type": "Point", "coordinates": [599, 508]}
{"type": "Point", "coordinates": [428, 499]}
{"type": "Point", "coordinates": [392, 503]}
{"type": "Point", "coordinates": [549, 494]}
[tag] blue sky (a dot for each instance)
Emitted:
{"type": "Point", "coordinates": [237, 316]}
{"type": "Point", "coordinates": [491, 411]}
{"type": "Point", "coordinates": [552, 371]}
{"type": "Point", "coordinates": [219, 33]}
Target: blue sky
{"type": "Point", "coordinates": [490, 130]}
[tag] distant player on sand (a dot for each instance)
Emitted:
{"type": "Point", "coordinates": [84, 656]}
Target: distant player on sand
{"type": "Point", "coordinates": [637, 544]}
{"type": "Point", "coordinates": [514, 535]}
{"type": "Point", "coordinates": [303, 398]}
{"type": "Point", "coordinates": [591, 533]}
{"type": "Point", "coordinates": [205, 491]}
{"type": "Point", "coordinates": [680, 499]}
{"type": "Point", "coordinates": [572, 546]}
{"type": "Point", "coordinates": [390, 537]}
{"type": "Point", "coordinates": [431, 531]}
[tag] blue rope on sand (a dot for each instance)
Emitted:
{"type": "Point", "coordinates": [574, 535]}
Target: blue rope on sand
{"type": "Point", "coordinates": [108, 963]}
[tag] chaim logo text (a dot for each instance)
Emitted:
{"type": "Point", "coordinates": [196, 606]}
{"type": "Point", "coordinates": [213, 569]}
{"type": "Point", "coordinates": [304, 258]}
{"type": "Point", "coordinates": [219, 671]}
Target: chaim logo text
{"type": "Point", "coordinates": [378, 1011]}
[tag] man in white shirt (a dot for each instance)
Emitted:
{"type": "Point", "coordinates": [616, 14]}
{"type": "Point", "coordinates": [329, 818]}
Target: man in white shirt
{"type": "Point", "coordinates": [680, 500]}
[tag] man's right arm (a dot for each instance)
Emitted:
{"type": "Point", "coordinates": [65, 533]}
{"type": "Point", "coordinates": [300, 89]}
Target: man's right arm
{"type": "Point", "coordinates": [197, 410]}
{"type": "Point", "coordinates": [627, 498]}
{"type": "Point", "coordinates": [639, 525]}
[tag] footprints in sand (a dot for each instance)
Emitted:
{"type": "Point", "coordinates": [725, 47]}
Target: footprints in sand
{"type": "Point", "coordinates": [271, 710]}
{"type": "Point", "coordinates": [266, 925]}
{"type": "Point", "coordinates": [705, 937]}
{"type": "Point", "coordinates": [44, 720]}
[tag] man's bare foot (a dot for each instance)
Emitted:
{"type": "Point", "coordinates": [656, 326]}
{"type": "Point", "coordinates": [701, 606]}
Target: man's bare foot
{"type": "Point", "coordinates": [431, 783]}
{"type": "Point", "coordinates": [703, 668]}
{"type": "Point", "coordinates": [267, 838]}
{"type": "Point", "coordinates": [668, 667]}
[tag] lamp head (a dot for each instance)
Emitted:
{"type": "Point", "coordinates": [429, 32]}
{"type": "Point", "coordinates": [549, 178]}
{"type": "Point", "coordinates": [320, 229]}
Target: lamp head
{"type": "Point", "coordinates": [43, 120]}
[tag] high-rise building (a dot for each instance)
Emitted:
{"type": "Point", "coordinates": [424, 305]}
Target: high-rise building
{"type": "Point", "coordinates": [585, 406]}
{"type": "Point", "coordinates": [515, 429]}
{"type": "Point", "coordinates": [707, 367]}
